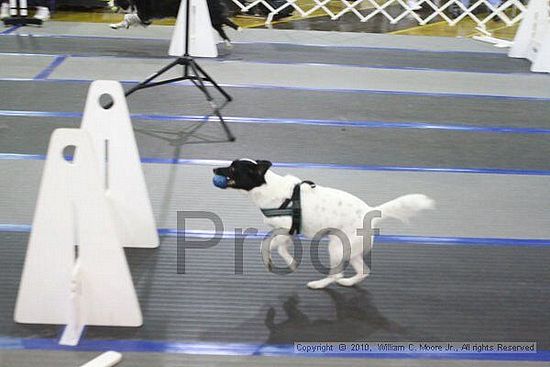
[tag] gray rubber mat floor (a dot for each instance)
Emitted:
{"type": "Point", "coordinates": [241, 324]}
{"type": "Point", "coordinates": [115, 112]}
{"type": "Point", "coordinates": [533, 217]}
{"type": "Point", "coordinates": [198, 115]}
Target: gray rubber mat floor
{"type": "Point", "coordinates": [293, 104]}
{"type": "Point", "coordinates": [487, 202]}
{"type": "Point", "coordinates": [275, 53]}
{"type": "Point", "coordinates": [377, 147]}
{"type": "Point", "coordinates": [471, 129]}
{"type": "Point", "coordinates": [211, 303]}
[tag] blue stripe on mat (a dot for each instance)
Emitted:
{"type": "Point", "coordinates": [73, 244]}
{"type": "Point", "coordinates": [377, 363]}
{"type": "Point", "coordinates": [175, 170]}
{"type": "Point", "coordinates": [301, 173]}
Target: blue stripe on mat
{"type": "Point", "coordinates": [10, 30]}
{"type": "Point", "coordinates": [44, 74]}
{"type": "Point", "coordinates": [286, 121]}
{"type": "Point", "coordinates": [245, 349]}
{"type": "Point", "coordinates": [385, 239]}
{"type": "Point", "coordinates": [215, 162]}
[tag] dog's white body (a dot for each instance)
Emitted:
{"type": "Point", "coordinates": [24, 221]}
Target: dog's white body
{"type": "Point", "coordinates": [328, 211]}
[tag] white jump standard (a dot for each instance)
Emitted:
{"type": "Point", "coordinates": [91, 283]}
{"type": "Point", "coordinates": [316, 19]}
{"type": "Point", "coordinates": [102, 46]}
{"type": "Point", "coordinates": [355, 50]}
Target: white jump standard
{"type": "Point", "coordinates": [75, 270]}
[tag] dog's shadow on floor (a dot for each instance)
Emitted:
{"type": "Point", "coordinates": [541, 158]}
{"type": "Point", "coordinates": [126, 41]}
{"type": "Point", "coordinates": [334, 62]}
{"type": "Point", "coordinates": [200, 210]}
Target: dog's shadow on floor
{"type": "Point", "coordinates": [356, 318]}
{"type": "Point", "coordinates": [351, 315]}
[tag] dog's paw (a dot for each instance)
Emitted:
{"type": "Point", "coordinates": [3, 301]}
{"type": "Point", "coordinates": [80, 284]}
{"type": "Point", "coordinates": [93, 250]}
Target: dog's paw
{"type": "Point", "coordinates": [293, 266]}
{"type": "Point", "coordinates": [349, 282]}
{"type": "Point", "coordinates": [317, 284]}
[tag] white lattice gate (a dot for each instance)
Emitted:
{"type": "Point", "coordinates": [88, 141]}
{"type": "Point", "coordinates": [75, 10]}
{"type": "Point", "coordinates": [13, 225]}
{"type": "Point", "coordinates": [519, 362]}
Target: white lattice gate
{"type": "Point", "coordinates": [481, 11]}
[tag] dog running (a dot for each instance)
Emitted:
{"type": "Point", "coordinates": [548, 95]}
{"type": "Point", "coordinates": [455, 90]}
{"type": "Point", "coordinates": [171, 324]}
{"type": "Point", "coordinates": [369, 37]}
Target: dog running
{"type": "Point", "coordinates": [142, 12]}
{"type": "Point", "coordinates": [293, 206]}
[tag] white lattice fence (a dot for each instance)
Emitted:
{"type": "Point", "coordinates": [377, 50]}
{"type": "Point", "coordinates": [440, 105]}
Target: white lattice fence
{"type": "Point", "coordinates": [509, 12]}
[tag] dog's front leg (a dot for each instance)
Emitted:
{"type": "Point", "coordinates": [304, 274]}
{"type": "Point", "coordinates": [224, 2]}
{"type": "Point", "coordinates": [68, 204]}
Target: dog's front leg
{"type": "Point", "coordinates": [282, 249]}
{"type": "Point", "coordinates": [281, 243]}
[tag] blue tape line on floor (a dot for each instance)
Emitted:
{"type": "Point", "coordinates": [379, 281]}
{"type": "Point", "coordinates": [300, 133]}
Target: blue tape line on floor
{"type": "Point", "coordinates": [10, 30]}
{"type": "Point", "coordinates": [286, 121]}
{"type": "Point", "coordinates": [213, 162]}
{"type": "Point", "coordinates": [243, 349]}
{"type": "Point", "coordinates": [44, 74]}
{"type": "Point", "coordinates": [385, 239]}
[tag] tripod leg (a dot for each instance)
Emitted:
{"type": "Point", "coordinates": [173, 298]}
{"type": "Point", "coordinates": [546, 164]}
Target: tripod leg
{"type": "Point", "coordinates": [154, 76]}
{"type": "Point", "coordinates": [230, 135]}
{"type": "Point", "coordinates": [144, 83]}
{"type": "Point", "coordinates": [200, 84]}
{"type": "Point", "coordinates": [186, 69]}
{"type": "Point", "coordinates": [225, 94]}
{"type": "Point", "coordinates": [198, 81]}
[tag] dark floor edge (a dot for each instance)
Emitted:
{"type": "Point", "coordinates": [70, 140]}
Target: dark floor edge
{"type": "Point", "coordinates": [252, 61]}
{"type": "Point", "coordinates": [61, 36]}
{"type": "Point", "coordinates": [244, 349]}
{"type": "Point", "coordinates": [216, 162]}
{"type": "Point", "coordinates": [293, 121]}
{"type": "Point", "coordinates": [331, 90]}
{"type": "Point", "coordinates": [379, 239]}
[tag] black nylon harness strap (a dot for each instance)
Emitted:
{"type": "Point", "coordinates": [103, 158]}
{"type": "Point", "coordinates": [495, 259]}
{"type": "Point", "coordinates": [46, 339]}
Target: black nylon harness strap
{"type": "Point", "coordinates": [295, 211]}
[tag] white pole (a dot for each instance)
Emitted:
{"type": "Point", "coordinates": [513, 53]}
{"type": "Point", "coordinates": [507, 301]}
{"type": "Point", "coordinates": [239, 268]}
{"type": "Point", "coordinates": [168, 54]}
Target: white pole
{"type": "Point", "coordinates": [13, 8]}
{"type": "Point", "coordinates": [23, 8]}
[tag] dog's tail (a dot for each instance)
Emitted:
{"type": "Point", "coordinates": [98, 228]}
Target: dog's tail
{"type": "Point", "coordinates": [405, 207]}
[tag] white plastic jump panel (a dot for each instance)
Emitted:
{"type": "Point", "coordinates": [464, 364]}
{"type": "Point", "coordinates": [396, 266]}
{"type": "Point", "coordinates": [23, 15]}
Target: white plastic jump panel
{"type": "Point", "coordinates": [201, 35]}
{"type": "Point", "coordinates": [532, 40]}
{"type": "Point", "coordinates": [75, 270]}
{"type": "Point", "coordinates": [119, 164]}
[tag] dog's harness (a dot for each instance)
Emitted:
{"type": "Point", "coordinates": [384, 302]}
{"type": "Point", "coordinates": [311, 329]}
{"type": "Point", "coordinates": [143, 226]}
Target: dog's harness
{"type": "Point", "coordinates": [295, 211]}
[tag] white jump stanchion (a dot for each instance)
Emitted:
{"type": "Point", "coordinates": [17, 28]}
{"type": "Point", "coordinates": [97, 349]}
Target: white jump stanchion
{"type": "Point", "coordinates": [75, 270]}
{"type": "Point", "coordinates": [119, 165]}
{"type": "Point", "coordinates": [532, 39]}
{"type": "Point", "coordinates": [202, 41]}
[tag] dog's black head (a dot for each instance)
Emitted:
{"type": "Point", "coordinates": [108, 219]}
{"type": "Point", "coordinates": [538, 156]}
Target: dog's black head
{"type": "Point", "coordinates": [244, 174]}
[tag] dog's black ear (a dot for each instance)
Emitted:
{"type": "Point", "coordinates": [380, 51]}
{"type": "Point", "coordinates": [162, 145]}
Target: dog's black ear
{"type": "Point", "coordinates": [263, 166]}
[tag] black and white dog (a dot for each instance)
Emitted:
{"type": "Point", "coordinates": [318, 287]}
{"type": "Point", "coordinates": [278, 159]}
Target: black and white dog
{"type": "Point", "coordinates": [142, 12]}
{"type": "Point", "coordinates": [321, 209]}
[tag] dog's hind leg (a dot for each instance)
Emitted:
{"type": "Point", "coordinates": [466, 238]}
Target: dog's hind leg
{"type": "Point", "coordinates": [336, 254]}
{"type": "Point", "coordinates": [360, 268]}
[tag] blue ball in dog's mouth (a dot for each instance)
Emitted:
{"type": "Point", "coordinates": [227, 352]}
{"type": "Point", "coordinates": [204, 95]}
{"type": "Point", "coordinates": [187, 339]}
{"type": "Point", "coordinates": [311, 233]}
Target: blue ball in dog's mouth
{"type": "Point", "coordinates": [220, 181]}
